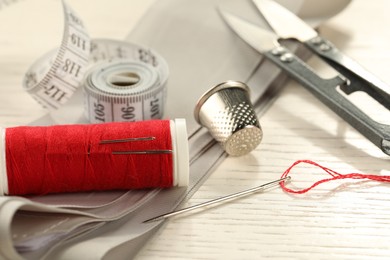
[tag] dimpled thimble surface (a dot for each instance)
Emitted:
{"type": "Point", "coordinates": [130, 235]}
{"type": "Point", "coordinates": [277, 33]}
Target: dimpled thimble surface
{"type": "Point", "coordinates": [226, 111]}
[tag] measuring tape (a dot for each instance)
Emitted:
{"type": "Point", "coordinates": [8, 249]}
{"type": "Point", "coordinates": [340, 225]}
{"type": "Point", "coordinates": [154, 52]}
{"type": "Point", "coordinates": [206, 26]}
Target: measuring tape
{"type": "Point", "coordinates": [122, 81]}
{"type": "Point", "coordinates": [128, 85]}
{"type": "Point", "coordinates": [54, 78]}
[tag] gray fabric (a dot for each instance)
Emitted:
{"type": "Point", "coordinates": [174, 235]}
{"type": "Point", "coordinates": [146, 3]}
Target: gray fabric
{"type": "Point", "coordinates": [201, 51]}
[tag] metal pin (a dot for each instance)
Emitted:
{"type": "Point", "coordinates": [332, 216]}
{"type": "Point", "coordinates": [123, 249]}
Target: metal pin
{"type": "Point", "coordinates": [135, 139]}
{"type": "Point", "coordinates": [224, 198]}
{"type": "Point", "coordinates": [142, 152]}
{"type": "Point", "coordinates": [113, 141]}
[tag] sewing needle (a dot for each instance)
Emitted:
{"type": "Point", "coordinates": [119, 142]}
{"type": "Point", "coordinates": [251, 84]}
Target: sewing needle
{"type": "Point", "coordinates": [135, 139]}
{"type": "Point", "coordinates": [125, 140]}
{"type": "Point", "coordinates": [224, 198]}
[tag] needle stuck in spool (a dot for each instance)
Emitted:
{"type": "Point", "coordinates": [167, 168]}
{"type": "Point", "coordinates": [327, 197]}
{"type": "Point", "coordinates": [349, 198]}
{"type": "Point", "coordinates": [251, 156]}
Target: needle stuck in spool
{"type": "Point", "coordinates": [135, 139]}
{"type": "Point", "coordinates": [125, 140]}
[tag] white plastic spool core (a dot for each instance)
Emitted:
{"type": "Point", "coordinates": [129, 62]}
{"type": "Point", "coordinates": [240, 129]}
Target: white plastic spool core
{"type": "Point", "coordinates": [3, 166]}
{"type": "Point", "coordinates": [181, 168]}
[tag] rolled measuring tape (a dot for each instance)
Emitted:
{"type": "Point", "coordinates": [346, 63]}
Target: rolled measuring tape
{"type": "Point", "coordinates": [130, 88]}
{"type": "Point", "coordinates": [122, 81]}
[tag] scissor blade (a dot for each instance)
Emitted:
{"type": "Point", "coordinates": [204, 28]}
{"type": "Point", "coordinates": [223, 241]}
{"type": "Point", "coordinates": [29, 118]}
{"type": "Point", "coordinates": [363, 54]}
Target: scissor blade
{"type": "Point", "coordinates": [285, 23]}
{"type": "Point", "coordinates": [258, 38]}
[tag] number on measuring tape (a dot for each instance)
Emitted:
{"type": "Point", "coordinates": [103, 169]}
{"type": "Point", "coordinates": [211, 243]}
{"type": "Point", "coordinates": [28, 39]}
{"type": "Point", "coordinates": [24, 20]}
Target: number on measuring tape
{"type": "Point", "coordinates": [55, 93]}
{"type": "Point", "coordinates": [71, 67]}
{"type": "Point", "coordinates": [128, 113]}
{"type": "Point", "coordinates": [78, 41]}
{"type": "Point", "coordinates": [148, 57]}
{"type": "Point", "coordinates": [99, 112]}
{"type": "Point", "coordinates": [155, 108]}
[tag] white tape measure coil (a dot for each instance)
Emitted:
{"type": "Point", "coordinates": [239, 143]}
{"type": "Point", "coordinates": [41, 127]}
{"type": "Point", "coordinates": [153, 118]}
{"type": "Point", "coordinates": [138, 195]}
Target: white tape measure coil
{"type": "Point", "coordinates": [124, 90]}
{"type": "Point", "coordinates": [104, 67]}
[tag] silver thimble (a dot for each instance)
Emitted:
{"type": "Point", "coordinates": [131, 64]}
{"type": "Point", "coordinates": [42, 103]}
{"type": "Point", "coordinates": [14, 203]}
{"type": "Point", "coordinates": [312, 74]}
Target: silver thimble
{"type": "Point", "coordinates": [226, 111]}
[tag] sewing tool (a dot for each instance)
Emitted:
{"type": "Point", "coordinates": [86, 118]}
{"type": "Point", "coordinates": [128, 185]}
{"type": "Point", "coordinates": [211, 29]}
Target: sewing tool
{"type": "Point", "coordinates": [94, 157]}
{"type": "Point", "coordinates": [52, 79]}
{"type": "Point", "coordinates": [147, 138]}
{"type": "Point", "coordinates": [221, 199]}
{"type": "Point", "coordinates": [125, 91]}
{"type": "Point", "coordinates": [352, 78]}
{"type": "Point", "coordinates": [282, 182]}
{"type": "Point", "coordinates": [122, 81]}
{"type": "Point", "coordinates": [226, 111]}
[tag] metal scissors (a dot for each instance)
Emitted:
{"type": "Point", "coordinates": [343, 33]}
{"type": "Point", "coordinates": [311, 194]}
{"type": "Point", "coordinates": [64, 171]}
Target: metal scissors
{"type": "Point", "coordinates": [352, 77]}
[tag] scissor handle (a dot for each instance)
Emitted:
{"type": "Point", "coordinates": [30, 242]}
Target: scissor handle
{"type": "Point", "coordinates": [325, 90]}
{"type": "Point", "coordinates": [359, 78]}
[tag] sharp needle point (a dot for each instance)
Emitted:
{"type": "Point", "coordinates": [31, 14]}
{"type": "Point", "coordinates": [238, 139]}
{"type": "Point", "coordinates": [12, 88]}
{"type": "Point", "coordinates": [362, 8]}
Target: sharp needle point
{"type": "Point", "coordinates": [210, 202]}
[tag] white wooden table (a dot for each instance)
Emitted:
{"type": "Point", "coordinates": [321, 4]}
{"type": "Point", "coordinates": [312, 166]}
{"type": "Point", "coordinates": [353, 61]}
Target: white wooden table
{"type": "Point", "coordinates": [342, 220]}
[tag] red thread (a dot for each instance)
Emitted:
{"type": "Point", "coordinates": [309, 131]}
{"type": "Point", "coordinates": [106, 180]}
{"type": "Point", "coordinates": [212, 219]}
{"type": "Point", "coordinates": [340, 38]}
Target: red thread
{"type": "Point", "coordinates": [69, 158]}
{"type": "Point", "coordinates": [335, 176]}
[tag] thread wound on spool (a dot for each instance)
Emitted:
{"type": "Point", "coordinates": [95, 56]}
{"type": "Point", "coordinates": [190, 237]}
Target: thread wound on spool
{"type": "Point", "coordinates": [70, 158]}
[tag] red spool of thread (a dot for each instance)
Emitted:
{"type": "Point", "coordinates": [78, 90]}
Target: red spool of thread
{"type": "Point", "coordinates": [96, 157]}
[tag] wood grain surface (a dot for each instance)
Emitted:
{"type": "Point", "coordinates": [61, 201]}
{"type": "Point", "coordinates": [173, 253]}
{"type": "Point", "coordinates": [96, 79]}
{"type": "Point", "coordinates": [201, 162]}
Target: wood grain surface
{"type": "Point", "coordinates": [348, 219]}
